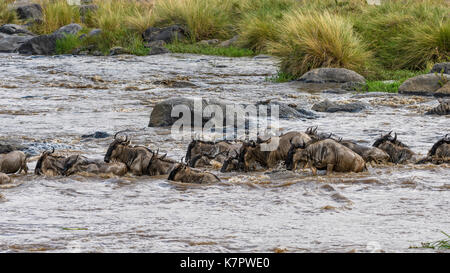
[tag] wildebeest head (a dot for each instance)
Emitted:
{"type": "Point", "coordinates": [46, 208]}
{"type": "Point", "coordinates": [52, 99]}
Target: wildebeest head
{"type": "Point", "coordinates": [38, 168]}
{"type": "Point", "coordinates": [388, 138]}
{"type": "Point", "coordinates": [294, 154]}
{"type": "Point", "coordinates": [200, 147]}
{"type": "Point", "coordinates": [116, 148]}
{"type": "Point", "coordinates": [231, 163]}
{"type": "Point", "coordinates": [179, 170]}
{"type": "Point", "coordinates": [444, 140]}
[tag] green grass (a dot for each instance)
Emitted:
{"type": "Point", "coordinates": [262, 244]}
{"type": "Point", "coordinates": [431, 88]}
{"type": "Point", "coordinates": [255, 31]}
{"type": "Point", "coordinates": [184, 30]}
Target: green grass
{"type": "Point", "coordinates": [440, 244]}
{"type": "Point", "coordinates": [380, 86]}
{"type": "Point", "coordinates": [280, 77]}
{"type": "Point", "coordinates": [209, 50]}
{"type": "Point", "coordinates": [67, 44]}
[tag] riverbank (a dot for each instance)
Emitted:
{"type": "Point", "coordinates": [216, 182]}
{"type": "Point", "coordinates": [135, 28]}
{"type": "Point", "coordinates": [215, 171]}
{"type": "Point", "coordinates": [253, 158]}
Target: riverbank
{"type": "Point", "coordinates": [379, 42]}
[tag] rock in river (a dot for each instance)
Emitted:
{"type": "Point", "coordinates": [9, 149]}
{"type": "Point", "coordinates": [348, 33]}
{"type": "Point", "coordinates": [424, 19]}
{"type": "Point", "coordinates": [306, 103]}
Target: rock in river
{"type": "Point", "coordinates": [331, 75]}
{"type": "Point", "coordinates": [161, 113]}
{"type": "Point", "coordinates": [427, 84]}
{"type": "Point", "coordinates": [167, 34]}
{"type": "Point", "coordinates": [331, 107]}
{"type": "Point", "coordinates": [46, 44]}
{"type": "Point", "coordinates": [10, 43]}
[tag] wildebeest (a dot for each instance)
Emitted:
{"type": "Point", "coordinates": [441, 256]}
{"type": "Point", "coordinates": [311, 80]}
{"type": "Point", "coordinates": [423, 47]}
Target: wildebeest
{"type": "Point", "coordinates": [314, 135]}
{"type": "Point", "coordinates": [397, 151]}
{"type": "Point", "coordinates": [186, 174]}
{"type": "Point", "coordinates": [5, 179]}
{"type": "Point", "coordinates": [231, 163]}
{"type": "Point", "coordinates": [439, 152]}
{"type": "Point", "coordinates": [82, 164]}
{"type": "Point", "coordinates": [13, 162]}
{"type": "Point", "coordinates": [50, 164]}
{"type": "Point", "coordinates": [201, 153]}
{"type": "Point", "coordinates": [251, 152]}
{"type": "Point", "coordinates": [159, 165]}
{"type": "Point", "coordinates": [369, 154]}
{"type": "Point", "coordinates": [331, 155]}
{"type": "Point", "coordinates": [137, 158]}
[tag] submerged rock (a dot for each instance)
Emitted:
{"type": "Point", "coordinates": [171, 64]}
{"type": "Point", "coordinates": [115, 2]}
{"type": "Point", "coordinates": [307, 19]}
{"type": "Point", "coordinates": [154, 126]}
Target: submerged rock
{"type": "Point", "coordinates": [331, 107]}
{"type": "Point", "coordinates": [167, 34]}
{"type": "Point", "coordinates": [331, 75]}
{"type": "Point", "coordinates": [427, 84]}
{"type": "Point", "coordinates": [288, 112]}
{"type": "Point", "coordinates": [7, 146]}
{"type": "Point", "coordinates": [97, 135]}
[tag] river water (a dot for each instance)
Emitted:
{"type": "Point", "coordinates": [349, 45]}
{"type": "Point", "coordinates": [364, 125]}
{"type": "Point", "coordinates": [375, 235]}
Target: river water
{"type": "Point", "coordinates": [52, 101]}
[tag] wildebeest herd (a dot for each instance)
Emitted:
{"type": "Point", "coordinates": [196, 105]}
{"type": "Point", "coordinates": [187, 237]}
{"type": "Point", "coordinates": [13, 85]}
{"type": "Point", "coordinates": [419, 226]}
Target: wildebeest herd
{"type": "Point", "coordinates": [295, 150]}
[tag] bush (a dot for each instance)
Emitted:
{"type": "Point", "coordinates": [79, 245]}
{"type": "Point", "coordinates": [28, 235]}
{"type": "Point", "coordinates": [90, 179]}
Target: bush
{"type": "Point", "coordinates": [67, 44]}
{"type": "Point", "coordinates": [204, 19]}
{"type": "Point", "coordinates": [406, 34]}
{"type": "Point", "coordinates": [56, 13]}
{"type": "Point", "coordinates": [7, 16]}
{"type": "Point", "coordinates": [311, 40]}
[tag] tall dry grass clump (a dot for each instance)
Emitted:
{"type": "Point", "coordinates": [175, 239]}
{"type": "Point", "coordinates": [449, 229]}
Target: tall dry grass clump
{"type": "Point", "coordinates": [204, 19]}
{"type": "Point", "coordinates": [257, 21]}
{"type": "Point", "coordinates": [311, 40]}
{"type": "Point", "coordinates": [407, 34]}
{"type": "Point", "coordinates": [56, 13]}
{"type": "Point", "coordinates": [7, 15]}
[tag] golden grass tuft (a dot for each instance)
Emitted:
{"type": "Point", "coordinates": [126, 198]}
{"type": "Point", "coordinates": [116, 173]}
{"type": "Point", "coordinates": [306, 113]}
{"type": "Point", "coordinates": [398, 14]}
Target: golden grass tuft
{"type": "Point", "coordinates": [7, 15]}
{"type": "Point", "coordinates": [311, 40]}
{"type": "Point", "coordinates": [56, 13]}
{"type": "Point", "coordinates": [204, 19]}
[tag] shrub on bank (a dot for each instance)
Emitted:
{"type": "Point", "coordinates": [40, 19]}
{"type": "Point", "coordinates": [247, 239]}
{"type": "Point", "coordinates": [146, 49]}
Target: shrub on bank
{"type": "Point", "coordinates": [7, 16]}
{"type": "Point", "coordinates": [204, 19]}
{"type": "Point", "coordinates": [56, 13]}
{"type": "Point", "coordinates": [406, 34]}
{"type": "Point", "coordinates": [312, 40]}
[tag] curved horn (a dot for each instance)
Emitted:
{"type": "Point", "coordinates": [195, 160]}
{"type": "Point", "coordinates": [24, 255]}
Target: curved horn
{"type": "Point", "coordinates": [53, 150]}
{"type": "Point", "coordinates": [390, 133]}
{"type": "Point", "coordinates": [395, 137]}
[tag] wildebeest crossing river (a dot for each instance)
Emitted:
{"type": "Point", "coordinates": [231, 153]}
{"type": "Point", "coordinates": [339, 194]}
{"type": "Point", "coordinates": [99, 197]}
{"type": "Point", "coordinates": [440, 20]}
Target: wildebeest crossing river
{"type": "Point", "coordinates": [48, 102]}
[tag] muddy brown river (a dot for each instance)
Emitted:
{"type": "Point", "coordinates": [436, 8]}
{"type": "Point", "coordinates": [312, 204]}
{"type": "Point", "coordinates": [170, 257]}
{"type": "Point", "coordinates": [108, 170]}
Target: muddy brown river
{"type": "Point", "coordinates": [51, 101]}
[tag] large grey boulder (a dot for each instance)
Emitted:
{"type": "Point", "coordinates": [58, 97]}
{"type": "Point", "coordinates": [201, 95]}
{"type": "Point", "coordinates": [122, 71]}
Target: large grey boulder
{"type": "Point", "coordinates": [14, 29]}
{"type": "Point", "coordinates": [441, 68]}
{"type": "Point", "coordinates": [71, 29]}
{"type": "Point", "coordinates": [10, 43]}
{"type": "Point", "coordinates": [31, 11]}
{"type": "Point", "coordinates": [46, 44]}
{"type": "Point", "coordinates": [161, 113]}
{"type": "Point", "coordinates": [167, 34]}
{"type": "Point", "coordinates": [332, 107]}
{"type": "Point", "coordinates": [287, 111]}
{"type": "Point", "coordinates": [231, 42]}
{"type": "Point", "coordinates": [427, 84]}
{"type": "Point", "coordinates": [157, 47]}
{"type": "Point", "coordinates": [331, 75]}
